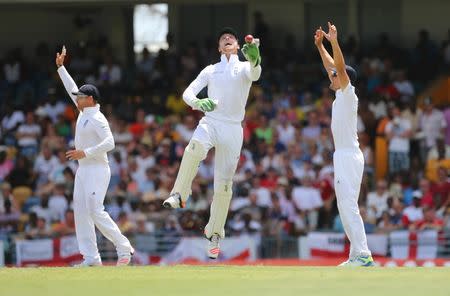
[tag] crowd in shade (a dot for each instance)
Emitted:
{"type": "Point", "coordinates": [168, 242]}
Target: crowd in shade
{"type": "Point", "coordinates": [283, 185]}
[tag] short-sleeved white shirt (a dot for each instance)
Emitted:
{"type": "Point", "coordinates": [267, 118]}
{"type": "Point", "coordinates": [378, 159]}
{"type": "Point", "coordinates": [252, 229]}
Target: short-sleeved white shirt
{"type": "Point", "coordinates": [344, 118]}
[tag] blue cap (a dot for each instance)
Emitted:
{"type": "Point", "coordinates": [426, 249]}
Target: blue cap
{"type": "Point", "coordinates": [352, 75]}
{"type": "Point", "coordinates": [88, 90]}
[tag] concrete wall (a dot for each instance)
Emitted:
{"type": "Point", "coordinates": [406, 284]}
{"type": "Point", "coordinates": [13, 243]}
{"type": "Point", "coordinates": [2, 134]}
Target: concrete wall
{"type": "Point", "coordinates": [26, 27]}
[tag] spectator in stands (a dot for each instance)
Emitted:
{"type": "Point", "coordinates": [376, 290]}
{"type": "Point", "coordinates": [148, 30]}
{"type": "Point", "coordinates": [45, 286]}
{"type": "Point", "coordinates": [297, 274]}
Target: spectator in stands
{"type": "Point", "coordinates": [21, 174]}
{"type": "Point", "coordinates": [124, 224]}
{"type": "Point", "coordinates": [57, 173]}
{"type": "Point", "coordinates": [367, 151]}
{"type": "Point", "coordinates": [427, 199]}
{"type": "Point", "coordinates": [386, 225]}
{"type": "Point", "coordinates": [186, 129]}
{"type": "Point", "coordinates": [264, 131]}
{"type": "Point", "coordinates": [312, 130]}
{"type": "Point", "coordinates": [398, 132]}
{"type": "Point", "coordinates": [66, 226]}
{"type": "Point", "coordinates": [38, 229]}
{"type": "Point", "coordinates": [9, 210]}
{"type": "Point", "coordinates": [42, 209]}
{"type": "Point", "coordinates": [447, 122]}
{"type": "Point", "coordinates": [122, 135]}
{"type": "Point", "coordinates": [144, 161]}
{"type": "Point", "coordinates": [441, 190]}
{"type": "Point", "coordinates": [45, 163]}
{"type": "Point", "coordinates": [51, 139]}
{"type": "Point", "coordinates": [28, 135]}
{"type": "Point", "coordinates": [432, 124]}
{"type": "Point", "coordinates": [377, 200]}
{"type": "Point", "coordinates": [12, 118]}
{"type": "Point", "coordinates": [198, 201]}
{"type": "Point", "coordinates": [57, 202]}
{"type": "Point", "coordinates": [206, 169]}
{"type": "Point", "coordinates": [110, 72]}
{"type": "Point", "coordinates": [307, 199]}
{"type": "Point", "coordinates": [404, 86]}
{"type": "Point", "coordinates": [261, 194]}
{"type": "Point", "coordinates": [413, 213]}
{"type": "Point", "coordinates": [396, 212]}
{"type": "Point", "coordinates": [53, 108]}
{"type": "Point", "coordinates": [285, 129]}
{"type": "Point", "coordinates": [438, 156]}
{"type": "Point", "coordinates": [447, 218]}
{"type": "Point", "coordinates": [429, 221]}
{"type": "Point", "coordinates": [369, 224]}
{"type": "Point", "coordinates": [275, 224]}
{"type": "Point", "coordinates": [6, 165]}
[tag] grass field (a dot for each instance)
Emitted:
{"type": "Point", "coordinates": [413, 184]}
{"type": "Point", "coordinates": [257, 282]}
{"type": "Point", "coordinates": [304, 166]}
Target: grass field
{"type": "Point", "coordinates": [224, 280]}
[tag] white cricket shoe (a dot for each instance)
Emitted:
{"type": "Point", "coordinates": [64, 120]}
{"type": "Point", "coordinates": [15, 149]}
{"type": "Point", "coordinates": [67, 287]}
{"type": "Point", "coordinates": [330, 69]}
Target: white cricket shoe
{"type": "Point", "coordinates": [85, 263]}
{"type": "Point", "coordinates": [213, 246]}
{"type": "Point", "coordinates": [124, 260]}
{"type": "Point", "coordinates": [174, 201]}
{"type": "Point", "coordinates": [365, 261]}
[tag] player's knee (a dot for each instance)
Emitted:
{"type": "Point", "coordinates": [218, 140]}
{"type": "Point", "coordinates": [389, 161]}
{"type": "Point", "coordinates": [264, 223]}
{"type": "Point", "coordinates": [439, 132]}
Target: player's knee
{"type": "Point", "coordinates": [223, 188]}
{"type": "Point", "coordinates": [196, 149]}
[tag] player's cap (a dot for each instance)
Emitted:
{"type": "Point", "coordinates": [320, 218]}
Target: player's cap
{"type": "Point", "coordinates": [88, 90]}
{"type": "Point", "coordinates": [352, 75]}
{"type": "Point", "coordinates": [227, 30]}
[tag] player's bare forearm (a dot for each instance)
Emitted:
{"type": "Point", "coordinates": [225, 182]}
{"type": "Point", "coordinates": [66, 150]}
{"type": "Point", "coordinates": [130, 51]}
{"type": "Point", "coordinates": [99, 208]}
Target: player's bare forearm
{"type": "Point", "coordinates": [327, 60]}
{"type": "Point", "coordinates": [339, 64]}
{"type": "Point", "coordinates": [338, 57]}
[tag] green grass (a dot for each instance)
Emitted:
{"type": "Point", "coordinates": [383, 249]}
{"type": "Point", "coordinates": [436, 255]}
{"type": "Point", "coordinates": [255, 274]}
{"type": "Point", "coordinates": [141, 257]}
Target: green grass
{"type": "Point", "coordinates": [224, 280]}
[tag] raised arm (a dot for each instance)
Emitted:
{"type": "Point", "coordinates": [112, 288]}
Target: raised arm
{"type": "Point", "coordinates": [253, 56]}
{"type": "Point", "coordinates": [338, 56]}
{"type": "Point", "coordinates": [327, 60]}
{"type": "Point", "coordinates": [67, 80]}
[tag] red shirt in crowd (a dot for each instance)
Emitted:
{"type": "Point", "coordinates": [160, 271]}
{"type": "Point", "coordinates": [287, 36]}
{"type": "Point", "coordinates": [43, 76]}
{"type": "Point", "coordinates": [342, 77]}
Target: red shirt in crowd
{"type": "Point", "coordinates": [441, 189]}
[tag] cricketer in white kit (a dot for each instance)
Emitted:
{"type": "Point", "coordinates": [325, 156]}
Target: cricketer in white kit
{"type": "Point", "coordinates": [348, 159]}
{"type": "Point", "coordinates": [228, 83]}
{"type": "Point", "coordinates": [93, 139]}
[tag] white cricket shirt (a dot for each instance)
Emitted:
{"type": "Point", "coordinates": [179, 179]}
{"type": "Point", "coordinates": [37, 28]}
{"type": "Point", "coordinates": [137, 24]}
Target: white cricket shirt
{"type": "Point", "coordinates": [228, 83]}
{"type": "Point", "coordinates": [92, 132]}
{"type": "Point", "coordinates": [344, 117]}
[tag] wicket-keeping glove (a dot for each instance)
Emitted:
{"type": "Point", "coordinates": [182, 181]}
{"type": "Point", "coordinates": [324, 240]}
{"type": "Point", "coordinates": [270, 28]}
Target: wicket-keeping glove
{"type": "Point", "coordinates": [251, 53]}
{"type": "Point", "coordinates": [204, 105]}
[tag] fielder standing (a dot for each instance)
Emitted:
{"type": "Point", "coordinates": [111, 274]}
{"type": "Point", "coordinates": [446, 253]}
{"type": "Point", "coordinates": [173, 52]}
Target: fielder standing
{"type": "Point", "coordinates": [228, 85]}
{"type": "Point", "coordinates": [348, 158]}
{"type": "Point", "coordinates": [93, 139]}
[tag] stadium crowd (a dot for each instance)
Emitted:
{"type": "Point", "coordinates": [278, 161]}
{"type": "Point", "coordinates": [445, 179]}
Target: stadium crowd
{"type": "Point", "coordinates": [284, 181]}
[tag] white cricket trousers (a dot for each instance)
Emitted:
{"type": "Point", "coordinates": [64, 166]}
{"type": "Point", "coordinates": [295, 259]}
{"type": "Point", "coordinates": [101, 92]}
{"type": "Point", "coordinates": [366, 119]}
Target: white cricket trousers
{"type": "Point", "coordinates": [91, 183]}
{"type": "Point", "coordinates": [348, 171]}
{"type": "Point", "coordinates": [226, 138]}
